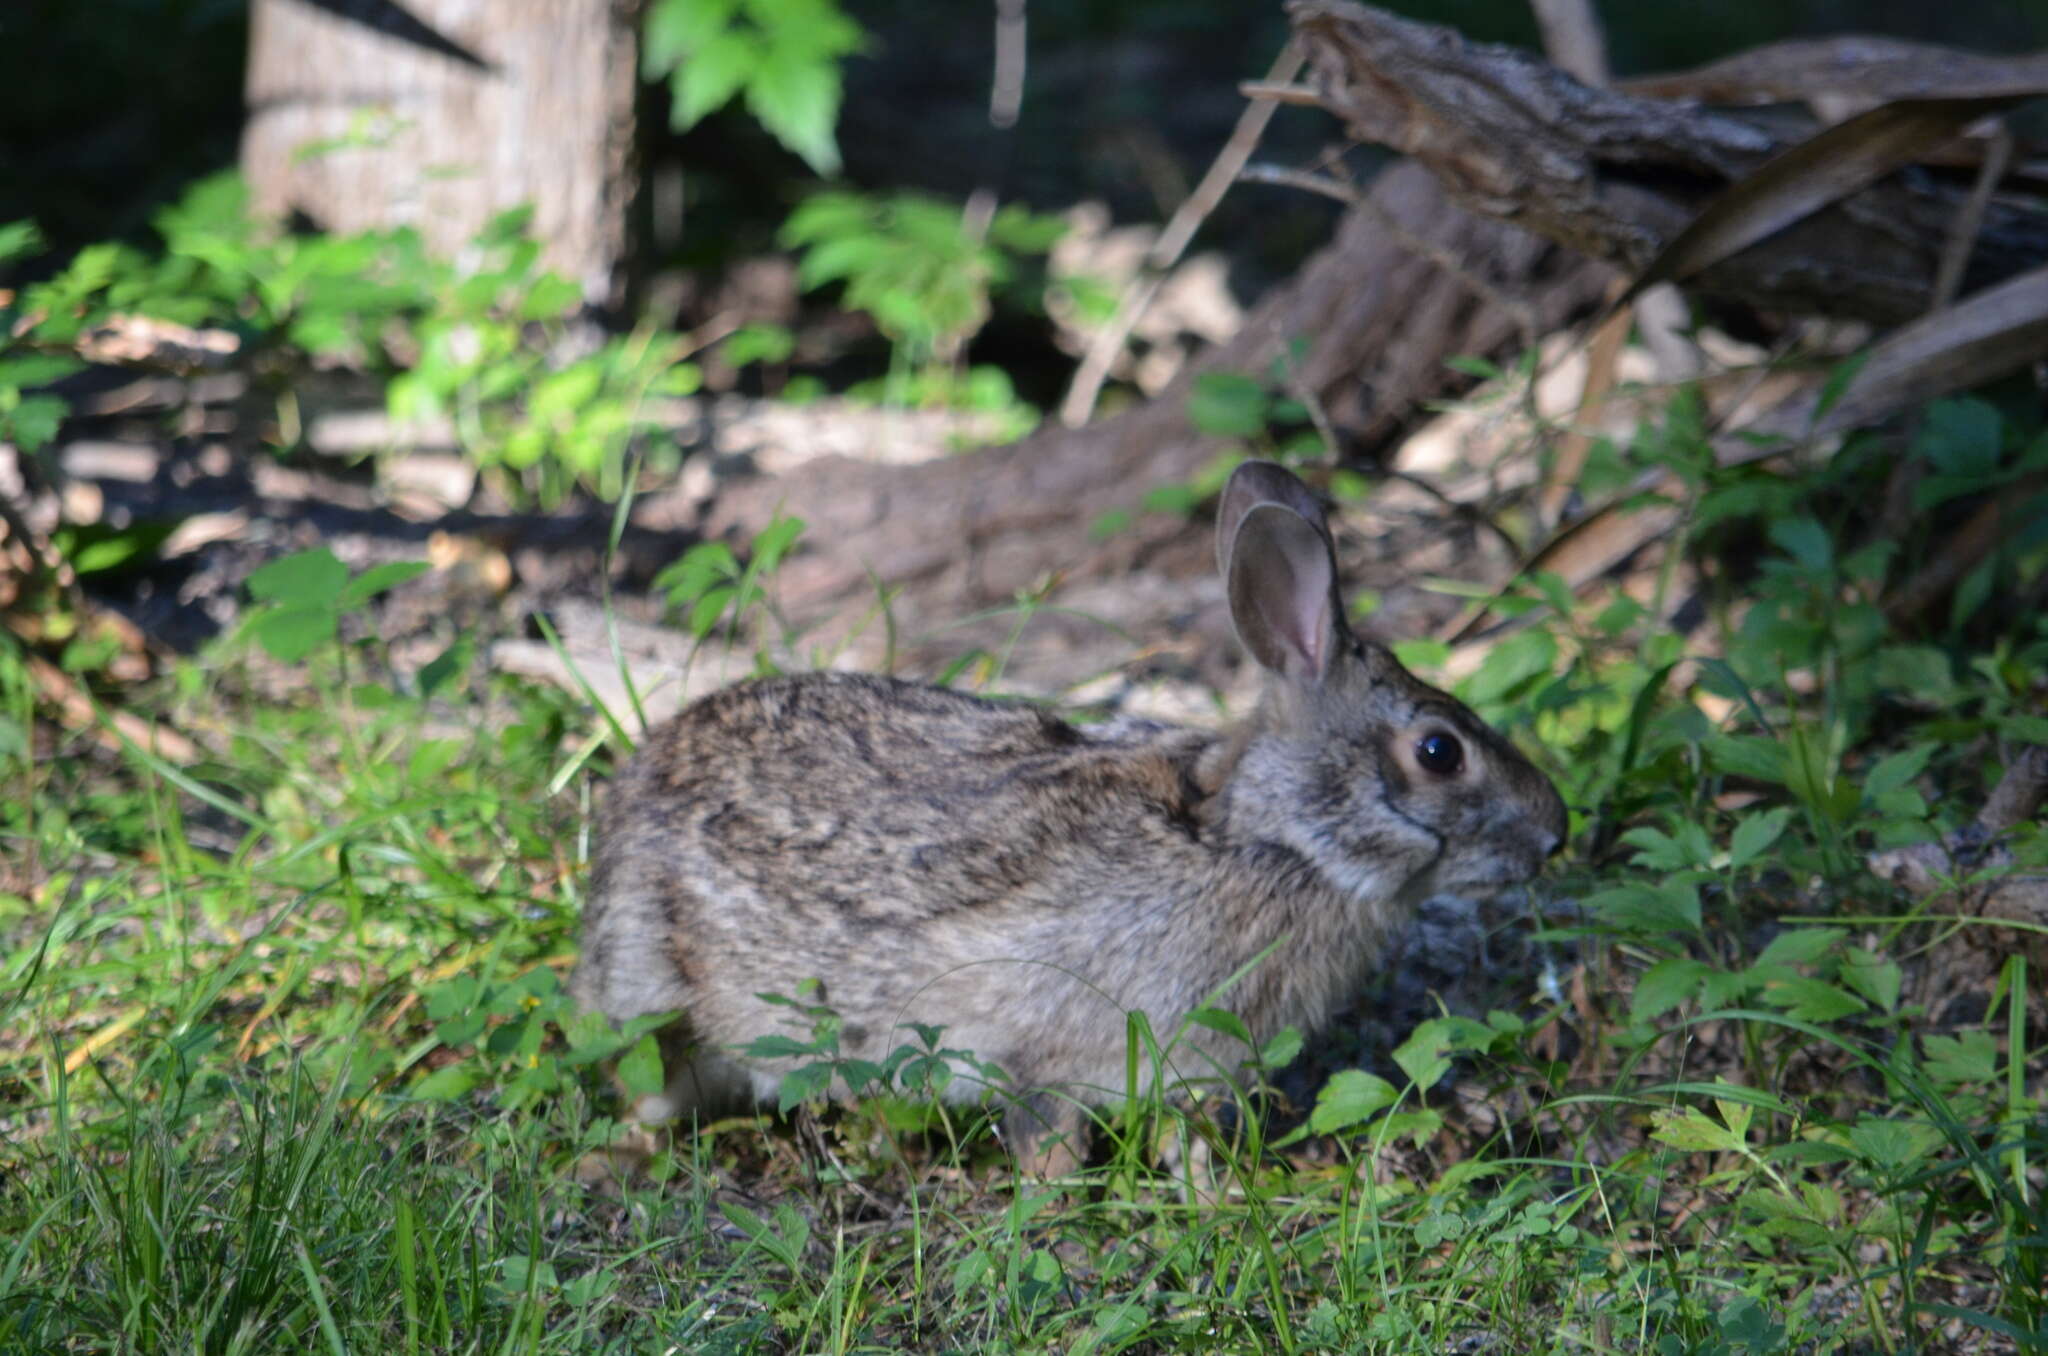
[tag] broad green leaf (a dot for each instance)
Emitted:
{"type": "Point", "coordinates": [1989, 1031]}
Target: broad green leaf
{"type": "Point", "coordinates": [1224, 1023]}
{"type": "Point", "coordinates": [640, 1068]}
{"type": "Point", "coordinates": [1693, 1130]}
{"type": "Point", "coordinates": [1281, 1051]}
{"type": "Point", "coordinates": [1425, 1055]}
{"type": "Point", "coordinates": [447, 666]}
{"type": "Point", "coordinates": [1971, 1057]}
{"type": "Point", "coordinates": [379, 579]}
{"type": "Point", "coordinates": [801, 1084]}
{"type": "Point", "coordinates": [18, 238]}
{"type": "Point", "coordinates": [1665, 985]}
{"type": "Point", "coordinates": [1895, 770]}
{"type": "Point", "coordinates": [33, 423]}
{"type": "Point", "coordinates": [1805, 540]}
{"type": "Point", "coordinates": [305, 579]}
{"type": "Point", "coordinates": [1812, 1000]}
{"type": "Point", "coordinates": [292, 633]}
{"type": "Point", "coordinates": [676, 28]}
{"type": "Point", "coordinates": [1800, 946]}
{"type": "Point", "coordinates": [1522, 656]}
{"type": "Point", "coordinates": [1754, 834]}
{"type": "Point", "coordinates": [797, 99]}
{"type": "Point", "coordinates": [37, 369]}
{"type": "Point", "coordinates": [711, 74]}
{"type": "Point", "coordinates": [1893, 1144]}
{"type": "Point", "coordinates": [1671, 906]}
{"type": "Point", "coordinates": [1664, 852]}
{"type": "Point", "coordinates": [1873, 975]}
{"type": "Point", "coordinates": [1350, 1098]}
{"type": "Point", "coordinates": [446, 1084]}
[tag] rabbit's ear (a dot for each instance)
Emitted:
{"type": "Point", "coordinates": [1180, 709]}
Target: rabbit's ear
{"type": "Point", "coordinates": [1262, 482]}
{"type": "Point", "coordinates": [1282, 581]}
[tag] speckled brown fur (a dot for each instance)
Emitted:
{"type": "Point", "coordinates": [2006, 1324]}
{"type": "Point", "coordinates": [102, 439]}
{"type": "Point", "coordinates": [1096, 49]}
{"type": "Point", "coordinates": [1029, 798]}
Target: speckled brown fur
{"type": "Point", "coordinates": [935, 857]}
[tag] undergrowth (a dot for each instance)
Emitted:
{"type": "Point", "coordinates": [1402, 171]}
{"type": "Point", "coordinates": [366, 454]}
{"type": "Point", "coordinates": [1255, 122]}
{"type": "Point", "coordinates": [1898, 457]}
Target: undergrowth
{"type": "Point", "coordinates": [288, 1064]}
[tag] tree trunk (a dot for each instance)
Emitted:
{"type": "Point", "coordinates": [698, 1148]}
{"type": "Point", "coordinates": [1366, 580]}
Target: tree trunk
{"type": "Point", "coordinates": [442, 113]}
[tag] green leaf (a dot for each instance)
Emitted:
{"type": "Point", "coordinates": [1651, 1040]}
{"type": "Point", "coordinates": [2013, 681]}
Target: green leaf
{"type": "Point", "coordinates": [1960, 437]}
{"type": "Point", "coordinates": [1224, 1023]}
{"type": "Point", "coordinates": [1663, 852]}
{"type": "Point", "coordinates": [18, 238]}
{"type": "Point", "coordinates": [1812, 1000]}
{"type": "Point", "coordinates": [1754, 834]}
{"type": "Point", "coordinates": [447, 666]}
{"type": "Point", "coordinates": [1801, 946]}
{"type": "Point", "coordinates": [1753, 756]}
{"type": "Point", "coordinates": [774, 541]}
{"type": "Point", "coordinates": [1893, 1144]}
{"type": "Point", "coordinates": [378, 579]}
{"type": "Point", "coordinates": [1422, 654]}
{"type": "Point", "coordinates": [1919, 670]}
{"type": "Point", "coordinates": [1665, 985]}
{"type": "Point", "coordinates": [1228, 405]}
{"type": "Point", "coordinates": [446, 1084]}
{"type": "Point", "coordinates": [797, 99]}
{"type": "Point", "coordinates": [305, 579]}
{"type": "Point", "coordinates": [37, 369]}
{"type": "Point", "coordinates": [640, 1068]}
{"type": "Point", "coordinates": [1691, 1129]}
{"type": "Point", "coordinates": [1669, 906]}
{"type": "Point", "coordinates": [290, 634]}
{"type": "Point", "coordinates": [33, 423]}
{"type": "Point", "coordinates": [1425, 1055]}
{"type": "Point", "coordinates": [1805, 540]}
{"type": "Point", "coordinates": [712, 74]}
{"type": "Point", "coordinates": [1895, 770]}
{"type": "Point", "coordinates": [1281, 1051]}
{"type": "Point", "coordinates": [676, 28]}
{"type": "Point", "coordinates": [802, 1084]}
{"type": "Point", "coordinates": [1873, 975]}
{"type": "Point", "coordinates": [1350, 1098]}
{"type": "Point", "coordinates": [1522, 656]}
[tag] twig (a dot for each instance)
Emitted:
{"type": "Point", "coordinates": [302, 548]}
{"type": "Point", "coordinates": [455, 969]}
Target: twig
{"type": "Point", "coordinates": [1962, 235]}
{"type": "Point", "coordinates": [1572, 38]}
{"type": "Point", "coordinates": [1306, 96]}
{"type": "Point", "coordinates": [77, 711]}
{"type": "Point", "coordinates": [1166, 251]}
{"type": "Point", "coordinates": [1967, 548]}
{"type": "Point", "coordinates": [1603, 357]}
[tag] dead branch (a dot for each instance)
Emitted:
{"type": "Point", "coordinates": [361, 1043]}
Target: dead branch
{"type": "Point", "coordinates": [1619, 177]}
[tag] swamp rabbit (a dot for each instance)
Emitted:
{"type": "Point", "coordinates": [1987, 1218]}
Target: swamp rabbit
{"type": "Point", "coordinates": [940, 858]}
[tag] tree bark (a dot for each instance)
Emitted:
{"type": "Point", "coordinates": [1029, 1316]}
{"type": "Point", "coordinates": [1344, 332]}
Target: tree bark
{"type": "Point", "coordinates": [440, 114]}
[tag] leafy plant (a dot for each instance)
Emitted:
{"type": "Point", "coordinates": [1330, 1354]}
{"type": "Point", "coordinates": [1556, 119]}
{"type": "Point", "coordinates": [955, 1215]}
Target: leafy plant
{"type": "Point", "coordinates": [781, 56]}
{"type": "Point", "coordinates": [913, 264]}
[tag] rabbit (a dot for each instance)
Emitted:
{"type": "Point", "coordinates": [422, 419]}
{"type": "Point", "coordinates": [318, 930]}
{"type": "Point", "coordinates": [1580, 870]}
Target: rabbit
{"type": "Point", "coordinates": [935, 857]}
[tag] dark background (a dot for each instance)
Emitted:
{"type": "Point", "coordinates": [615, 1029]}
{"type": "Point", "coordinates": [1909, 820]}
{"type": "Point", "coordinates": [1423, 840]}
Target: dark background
{"type": "Point", "coordinates": [111, 107]}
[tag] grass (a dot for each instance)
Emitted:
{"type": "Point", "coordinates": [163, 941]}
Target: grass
{"type": "Point", "coordinates": [285, 1065]}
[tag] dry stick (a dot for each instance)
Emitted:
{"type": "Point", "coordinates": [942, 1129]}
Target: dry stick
{"type": "Point", "coordinates": [1602, 360]}
{"type": "Point", "coordinates": [1166, 251]}
{"type": "Point", "coordinates": [1970, 546]}
{"type": "Point", "coordinates": [1962, 235]}
{"type": "Point", "coordinates": [1572, 38]}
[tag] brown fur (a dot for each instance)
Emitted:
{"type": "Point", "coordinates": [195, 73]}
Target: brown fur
{"type": "Point", "coordinates": [934, 857]}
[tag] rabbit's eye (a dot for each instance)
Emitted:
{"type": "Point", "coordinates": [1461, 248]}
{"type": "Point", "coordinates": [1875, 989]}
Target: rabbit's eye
{"type": "Point", "coordinates": [1440, 753]}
